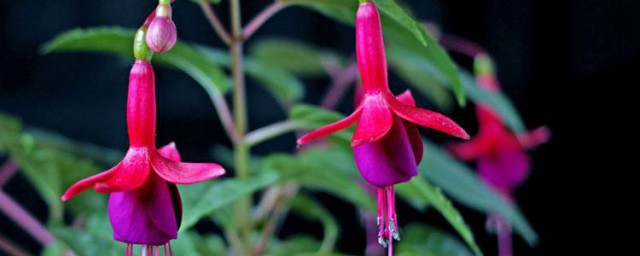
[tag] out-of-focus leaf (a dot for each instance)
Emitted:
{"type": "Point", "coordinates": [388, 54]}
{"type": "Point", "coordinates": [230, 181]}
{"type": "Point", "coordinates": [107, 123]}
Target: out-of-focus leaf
{"type": "Point", "coordinates": [298, 245]}
{"type": "Point", "coordinates": [203, 198]}
{"type": "Point", "coordinates": [85, 242]}
{"type": "Point", "coordinates": [293, 56]}
{"type": "Point", "coordinates": [315, 117]}
{"type": "Point", "coordinates": [495, 100]}
{"type": "Point", "coordinates": [208, 1]}
{"type": "Point", "coordinates": [56, 249]}
{"type": "Point", "coordinates": [317, 171]}
{"type": "Point", "coordinates": [51, 169]}
{"type": "Point", "coordinates": [284, 86]}
{"type": "Point", "coordinates": [422, 74]}
{"type": "Point", "coordinates": [209, 245]}
{"type": "Point", "coordinates": [424, 240]}
{"type": "Point", "coordinates": [400, 26]}
{"type": "Point", "coordinates": [444, 206]}
{"type": "Point", "coordinates": [440, 63]}
{"type": "Point", "coordinates": [412, 195]}
{"type": "Point", "coordinates": [421, 81]}
{"type": "Point", "coordinates": [341, 10]}
{"type": "Point", "coordinates": [186, 244]}
{"type": "Point", "coordinates": [81, 149]}
{"type": "Point", "coordinates": [119, 41]}
{"type": "Point", "coordinates": [465, 187]}
{"type": "Point", "coordinates": [311, 209]}
{"type": "Point", "coordinates": [396, 13]}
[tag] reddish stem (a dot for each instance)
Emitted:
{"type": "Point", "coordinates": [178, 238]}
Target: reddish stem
{"type": "Point", "coordinates": [339, 84]}
{"type": "Point", "coordinates": [461, 45]}
{"type": "Point", "coordinates": [8, 169]}
{"type": "Point", "coordinates": [504, 238]}
{"type": "Point", "coordinates": [11, 248]}
{"type": "Point", "coordinates": [262, 17]}
{"type": "Point", "coordinates": [21, 217]}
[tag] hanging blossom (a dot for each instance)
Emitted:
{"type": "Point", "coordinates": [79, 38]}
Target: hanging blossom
{"type": "Point", "coordinates": [144, 202]}
{"type": "Point", "coordinates": [500, 154]}
{"type": "Point", "coordinates": [386, 144]}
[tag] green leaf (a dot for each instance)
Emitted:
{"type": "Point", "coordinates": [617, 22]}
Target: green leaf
{"type": "Point", "coordinates": [199, 62]}
{"type": "Point", "coordinates": [422, 74]}
{"type": "Point", "coordinates": [424, 240]}
{"type": "Point", "coordinates": [422, 81]}
{"type": "Point", "coordinates": [293, 56]}
{"type": "Point", "coordinates": [495, 100]}
{"type": "Point", "coordinates": [433, 53]}
{"type": "Point", "coordinates": [315, 117]}
{"type": "Point", "coordinates": [208, 1]}
{"type": "Point", "coordinates": [206, 197]}
{"type": "Point", "coordinates": [327, 170]}
{"type": "Point", "coordinates": [396, 13]}
{"type": "Point", "coordinates": [341, 10]}
{"type": "Point", "coordinates": [400, 26]}
{"type": "Point", "coordinates": [119, 41]}
{"type": "Point", "coordinates": [298, 245]}
{"type": "Point", "coordinates": [465, 187]}
{"type": "Point", "coordinates": [57, 248]}
{"type": "Point", "coordinates": [209, 245]}
{"type": "Point", "coordinates": [95, 238]}
{"type": "Point", "coordinates": [50, 169]}
{"type": "Point", "coordinates": [412, 195]}
{"type": "Point", "coordinates": [444, 206]}
{"type": "Point", "coordinates": [310, 209]}
{"type": "Point", "coordinates": [285, 87]}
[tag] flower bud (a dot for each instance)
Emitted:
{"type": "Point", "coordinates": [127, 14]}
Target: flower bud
{"type": "Point", "coordinates": [162, 34]}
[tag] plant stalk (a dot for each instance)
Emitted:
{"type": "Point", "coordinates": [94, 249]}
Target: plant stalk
{"type": "Point", "coordinates": [20, 216]}
{"type": "Point", "coordinates": [242, 154]}
{"type": "Point", "coordinates": [214, 21]}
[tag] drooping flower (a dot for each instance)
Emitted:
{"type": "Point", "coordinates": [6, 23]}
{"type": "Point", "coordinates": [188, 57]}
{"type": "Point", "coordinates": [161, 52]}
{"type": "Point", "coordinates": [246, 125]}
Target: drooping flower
{"type": "Point", "coordinates": [144, 205]}
{"type": "Point", "coordinates": [162, 33]}
{"type": "Point", "coordinates": [500, 154]}
{"type": "Point", "coordinates": [386, 144]}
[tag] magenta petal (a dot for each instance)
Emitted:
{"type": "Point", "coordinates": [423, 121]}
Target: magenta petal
{"type": "Point", "coordinates": [144, 216]}
{"type": "Point", "coordinates": [426, 118]}
{"type": "Point", "coordinates": [504, 170]}
{"type": "Point", "coordinates": [414, 136]}
{"type": "Point", "coordinates": [170, 151]}
{"type": "Point", "coordinates": [415, 140]}
{"type": "Point", "coordinates": [374, 122]}
{"type": "Point", "coordinates": [127, 175]}
{"type": "Point", "coordinates": [331, 128]}
{"type": "Point", "coordinates": [184, 173]}
{"type": "Point", "coordinates": [387, 161]}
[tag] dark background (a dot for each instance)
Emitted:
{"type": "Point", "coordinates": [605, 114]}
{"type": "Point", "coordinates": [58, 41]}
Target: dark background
{"type": "Point", "coordinates": [564, 63]}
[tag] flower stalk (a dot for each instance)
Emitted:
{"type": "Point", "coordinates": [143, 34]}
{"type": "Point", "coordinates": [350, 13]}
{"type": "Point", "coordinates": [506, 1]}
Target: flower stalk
{"type": "Point", "coordinates": [242, 156]}
{"type": "Point", "coordinates": [20, 216]}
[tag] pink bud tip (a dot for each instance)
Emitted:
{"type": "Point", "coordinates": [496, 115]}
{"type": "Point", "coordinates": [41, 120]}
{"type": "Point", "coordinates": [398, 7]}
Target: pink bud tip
{"type": "Point", "coordinates": [161, 35]}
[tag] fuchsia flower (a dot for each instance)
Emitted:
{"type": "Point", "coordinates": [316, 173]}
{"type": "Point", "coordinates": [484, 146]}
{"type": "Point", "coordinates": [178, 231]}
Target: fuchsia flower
{"type": "Point", "coordinates": [500, 154]}
{"type": "Point", "coordinates": [144, 205]}
{"type": "Point", "coordinates": [386, 144]}
{"type": "Point", "coordinates": [502, 161]}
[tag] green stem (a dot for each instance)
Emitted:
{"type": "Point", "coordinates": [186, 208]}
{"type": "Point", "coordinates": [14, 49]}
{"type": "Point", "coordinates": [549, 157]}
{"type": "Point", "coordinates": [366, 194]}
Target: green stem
{"type": "Point", "coordinates": [242, 156]}
{"type": "Point", "coordinates": [271, 131]}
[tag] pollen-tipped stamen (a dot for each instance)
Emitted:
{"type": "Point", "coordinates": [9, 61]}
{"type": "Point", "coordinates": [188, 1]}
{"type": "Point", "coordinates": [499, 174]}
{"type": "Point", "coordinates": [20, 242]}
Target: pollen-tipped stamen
{"type": "Point", "coordinates": [393, 218]}
{"type": "Point", "coordinates": [382, 218]}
